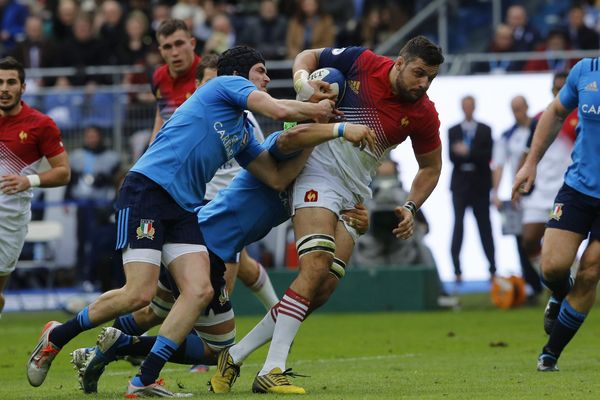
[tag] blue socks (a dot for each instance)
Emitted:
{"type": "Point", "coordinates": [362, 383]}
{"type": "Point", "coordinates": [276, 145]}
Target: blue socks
{"type": "Point", "coordinates": [150, 370]}
{"type": "Point", "coordinates": [567, 324]}
{"type": "Point", "coordinates": [63, 334]}
{"type": "Point", "coordinates": [127, 324]}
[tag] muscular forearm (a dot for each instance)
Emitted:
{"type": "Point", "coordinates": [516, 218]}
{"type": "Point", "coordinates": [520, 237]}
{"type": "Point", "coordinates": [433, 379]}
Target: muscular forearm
{"type": "Point", "coordinates": [57, 176]}
{"type": "Point", "coordinates": [304, 136]}
{"type": "Point", "coordinates": [288, 170]}
{"type": "Point", "coordinates": [545, 133]}
{"type": "Point", "coordinates": [292, 110]}
{"type": "Point", "coordinates": [423, 184]}
{"type": "Point", "coordinates": [307, 60]}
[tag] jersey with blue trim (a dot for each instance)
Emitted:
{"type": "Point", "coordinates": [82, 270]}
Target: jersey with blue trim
{"type": "Point", "coordinates": [369, 100]}
{"type": "Point", "coordinates": [206, 131]}
{"type": "Point", "coordinates": [581, 90]}
{"type": "Point", "coordinates": [243, 212]}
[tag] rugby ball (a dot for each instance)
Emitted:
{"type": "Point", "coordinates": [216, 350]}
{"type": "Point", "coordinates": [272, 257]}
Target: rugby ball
{"type": "Point", "coordinates": [334, 77]}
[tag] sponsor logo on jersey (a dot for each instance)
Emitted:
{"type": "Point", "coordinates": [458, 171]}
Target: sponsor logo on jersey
{"type": "Point", "coordinates": [23, 136]}
{"type": "Point", "coordinates": [337, 52]}
{"type": "Point", "coordinates": [311, 196]}
{"type": "Point", "coordinates": [354, 85]}
{"type": "Point", "coordinates": [404, 122]}
{"type": "Point", "coordinates": [557, 211]}
{"type": "Point", "coordinates": [590, 109]}
{"type": "Point", "coordinates": [145, 230]}
{"type": "Point", "coordinates": [592, 87]}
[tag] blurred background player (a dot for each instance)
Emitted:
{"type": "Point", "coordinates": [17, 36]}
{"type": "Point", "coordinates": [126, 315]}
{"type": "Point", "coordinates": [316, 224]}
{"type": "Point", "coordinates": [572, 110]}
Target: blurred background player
{"type": "Point", "coordinates": [26, 137]}
{"type": "Point", "coordinates": [537, 204]}
{"type": "Point", "coordinates": [470, 148]}
{"type": "Point", "coordinates": [336, 177]}
{"type": "Point", "coordinates": [174, 81]}
{"type": "Point", "coordinates": [508, 152]}
{"type": "Point", "coordinates": [575, 215]}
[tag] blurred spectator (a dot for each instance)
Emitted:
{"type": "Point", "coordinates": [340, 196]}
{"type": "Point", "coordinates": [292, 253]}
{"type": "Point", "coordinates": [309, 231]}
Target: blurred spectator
{"type": "Point", "coordinates": [191, 12]}
{"type": "Point", "coordinates": [471, 144]}
{"type": "Point", "coordinates": [501, 43]}
{"type": "Point", "coordinates": [580, 35]}
{"type": "Point", "coordinates": [63, 19]}
{"type": "Point", "coordinates": [93, 168]}
{"type": "Point", "coordinates": [83, 50]}
{"type": "Point", "coordinates": [161, 10]}
{"type": "Point", "coordinates": [64, 105]}
{"type": "Point", "coordinates": [222, 36]}
{"type": "Point", "coordinates": [34, 51]}
{"type": "Point", "coordinates": [309, 28]}
{"type": "Point", "coordinates": [12, 24]}
{"type": "Point", "coordinates": [557, 40]}
{"type": "Point", "coordinates": [375, 27]}
{"type": "Point", "coordinates": [133, 50]}
{"type": "Point", "coordinates": [266, 32]}
{"type": "Point", "coordinates": [525, 37]}
{"type": "Point", "coordinates": [112, 28]}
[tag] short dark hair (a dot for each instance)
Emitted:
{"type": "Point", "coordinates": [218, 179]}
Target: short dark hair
{"type": "Point", "coordinates": [170, 26]}
{"type": "Point", "coordinates": [208, 61]}
{"type": "Point", "coordinates": [423, 48]}
{"type": "Point", "coordinates": [238, 59]}
{"type": "Point", "coordinates": [9, 63]}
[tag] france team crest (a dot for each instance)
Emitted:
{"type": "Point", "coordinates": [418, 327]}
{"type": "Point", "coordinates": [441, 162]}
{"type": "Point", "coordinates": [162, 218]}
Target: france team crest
{"type": "Point", "coordinates": [145, 230]}
{"type": "Point", "coordinates": [311, 196]}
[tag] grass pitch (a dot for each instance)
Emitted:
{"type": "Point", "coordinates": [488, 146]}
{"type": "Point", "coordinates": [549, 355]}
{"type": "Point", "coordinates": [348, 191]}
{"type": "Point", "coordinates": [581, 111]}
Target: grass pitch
{"type": "Point", "coordinates": [476, 353]}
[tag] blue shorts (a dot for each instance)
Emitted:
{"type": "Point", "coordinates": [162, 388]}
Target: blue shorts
{"type": "Point", "coordinates": [220, 302]}
{"type": "Point", "coordinates": [576, 212]}
{"type": "Point", "coordinates": [148, 217]}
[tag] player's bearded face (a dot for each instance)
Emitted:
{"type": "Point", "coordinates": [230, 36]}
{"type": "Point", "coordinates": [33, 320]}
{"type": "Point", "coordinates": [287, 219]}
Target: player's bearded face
{"type": "Point", "coordinates": [413, 79]}
{"type": "Point", "coordinates": [11, 89]}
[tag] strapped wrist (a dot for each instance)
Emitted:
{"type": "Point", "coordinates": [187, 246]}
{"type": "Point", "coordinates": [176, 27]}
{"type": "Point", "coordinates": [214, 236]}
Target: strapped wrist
{"type": "Point", "coordinates": [303, 89]}
{"type": "Point", "coordinates": [338, 129]}
{"type": "Point", "coordinates": [34, 180]}
{"type": "Point", "coordinates": [411, 206]}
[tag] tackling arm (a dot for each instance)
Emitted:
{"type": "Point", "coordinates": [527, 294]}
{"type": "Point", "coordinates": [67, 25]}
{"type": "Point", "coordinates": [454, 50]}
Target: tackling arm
{"type": "Point", "coordinates": [309, 135]}
{"type": "Point", "coordinates": [315, 90]}
{"type": "Point", "coordinates": [277, 175]}
{"type": "Point", "coordinates": [290, 110]}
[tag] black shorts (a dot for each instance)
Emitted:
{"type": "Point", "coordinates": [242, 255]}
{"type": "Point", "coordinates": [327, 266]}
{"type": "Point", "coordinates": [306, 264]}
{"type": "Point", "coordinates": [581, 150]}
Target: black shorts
{"type": "Point", "coordinates": [220, 302]}
{"type": "Point", "coordinates": [576, 212]}
{"type": "Point", "coordinates": [148, 217]}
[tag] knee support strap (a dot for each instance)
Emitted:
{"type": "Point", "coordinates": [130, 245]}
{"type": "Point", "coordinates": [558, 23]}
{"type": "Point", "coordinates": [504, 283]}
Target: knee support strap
{"type": "Point", "coordinates": [316, 242]}
{"type": "Point", "coordinates": [338, 268]}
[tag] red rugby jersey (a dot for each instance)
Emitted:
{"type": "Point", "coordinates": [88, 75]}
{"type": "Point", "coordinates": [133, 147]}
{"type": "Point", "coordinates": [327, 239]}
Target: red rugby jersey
{"type": "Point", "coordinates": [171, 92]}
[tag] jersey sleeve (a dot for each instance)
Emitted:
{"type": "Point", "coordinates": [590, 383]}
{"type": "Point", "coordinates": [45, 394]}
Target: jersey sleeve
{"type": "Point", "coordinates": [569, 94]}
{"type": "Point", "coordinates": [341, 58]}
{"type": "Point", "coordinates": [427, 138]}
{"type": "Point", "coordinates": [236, 90]}
{"type": "Point", "coordinates": [50, 143]}
{"type": "Point", "coordinates": [250, 152]}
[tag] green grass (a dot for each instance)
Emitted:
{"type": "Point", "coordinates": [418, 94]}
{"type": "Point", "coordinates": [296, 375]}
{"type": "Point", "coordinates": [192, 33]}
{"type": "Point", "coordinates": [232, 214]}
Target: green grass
{"type": "Point", "coordinates": [476, 353]}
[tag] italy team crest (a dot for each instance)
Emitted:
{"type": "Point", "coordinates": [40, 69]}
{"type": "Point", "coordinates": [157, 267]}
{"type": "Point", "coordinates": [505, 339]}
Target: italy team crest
{"type": "Point", "coordinates": [311, 196]}
{"type": "Point", "coordinates": [557, 211]}
{"type": "Point", "coordinates": [145, 230]}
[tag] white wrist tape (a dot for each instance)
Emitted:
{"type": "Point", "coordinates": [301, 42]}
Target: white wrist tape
{"type": "Point", "coordinates": [34, 180]}
{"type": "Point", "coordinates": [303, 89]}
{"type": "Point", "coordinates": [338, 129]}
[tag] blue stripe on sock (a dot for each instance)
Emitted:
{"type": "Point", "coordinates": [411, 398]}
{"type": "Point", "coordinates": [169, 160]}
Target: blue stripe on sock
{"type": "Point", "coordinates": [570, 317]}
{"type": "Point", "coordinates": [83, 319]}
{"type": "Point", "coordinates": [164, 347]}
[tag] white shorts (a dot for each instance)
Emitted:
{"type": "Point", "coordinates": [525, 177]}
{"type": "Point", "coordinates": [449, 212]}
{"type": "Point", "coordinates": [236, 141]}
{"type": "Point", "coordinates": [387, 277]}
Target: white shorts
{"type": "Point", "coordinates": [170, 251]}
{"type": "Point", "coordinates": [11, 244]}
{"type": "Point", "coordinates": [325, 192]}
{"type": "Point", "coordinates": [536, 215]}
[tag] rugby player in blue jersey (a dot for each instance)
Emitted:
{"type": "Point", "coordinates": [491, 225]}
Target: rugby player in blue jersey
{"type": "Point", "coordinates": [156, 219]}
{"type": "Point", "coordinates": [576, 212]}
{"type": "Point", "coordinates": [240, 214]}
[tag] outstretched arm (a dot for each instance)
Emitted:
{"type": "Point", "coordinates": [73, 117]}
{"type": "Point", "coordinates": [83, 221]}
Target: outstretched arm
{"type": "Point", "coordinates": [290, 110]}
{"type": "Point", "coordinates": [545, 132]}
{"type": "Point", "coordinates": [309, 135]}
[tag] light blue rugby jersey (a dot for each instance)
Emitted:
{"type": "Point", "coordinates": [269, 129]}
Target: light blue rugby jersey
{"type": "Point", "coordinates": [582, 90]}
{"type": "Point", "coordinates": [243, 212]}
{"type": "Point", "coordinates": [206, 131]}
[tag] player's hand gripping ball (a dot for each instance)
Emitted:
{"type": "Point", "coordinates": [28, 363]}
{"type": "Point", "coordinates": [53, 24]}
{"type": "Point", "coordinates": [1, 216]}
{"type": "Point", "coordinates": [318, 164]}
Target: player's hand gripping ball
{"type": "Point", "coordinates": [333, 76]}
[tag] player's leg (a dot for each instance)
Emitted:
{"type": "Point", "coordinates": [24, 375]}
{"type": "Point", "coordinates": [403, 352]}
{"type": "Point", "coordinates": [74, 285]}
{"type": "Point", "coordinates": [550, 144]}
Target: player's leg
{"type": "Point", "coordinates": [460, 204]}
{"type": "Point", "coordinates": [11, 244]}
{"type": "Point", "coordinates": [256, 278]}
{"type": "Point", "coordinates": [314, 228]}
{"type": "Point", "coordinates": [3, 282]}
{"type": "Point", "coordinates": [481, 211]}
{"type": "Point", "coordinates": [574, 308]}
{"type": "Point", "coordinates": [531, 241]}
{"type": "Point", "coordinates": [190, 269]}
